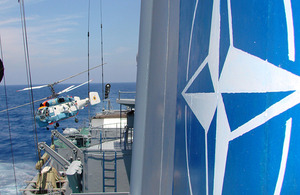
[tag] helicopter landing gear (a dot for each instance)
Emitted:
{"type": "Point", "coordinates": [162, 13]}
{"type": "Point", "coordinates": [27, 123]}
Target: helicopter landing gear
{"type": "Point", "coordinates": [76, 120]}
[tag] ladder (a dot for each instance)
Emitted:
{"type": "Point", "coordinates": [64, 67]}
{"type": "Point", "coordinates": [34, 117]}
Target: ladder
{"type": "Point", "coordinates": [109, 171]}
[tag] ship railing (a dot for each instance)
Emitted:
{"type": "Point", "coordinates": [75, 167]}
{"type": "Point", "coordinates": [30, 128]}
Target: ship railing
{"type": "Point", "coordinates": [128, 129]}
{"type": "Point", "coordinates": [128, 94]}
{"type": "Point", "coordinates": [110, 132]}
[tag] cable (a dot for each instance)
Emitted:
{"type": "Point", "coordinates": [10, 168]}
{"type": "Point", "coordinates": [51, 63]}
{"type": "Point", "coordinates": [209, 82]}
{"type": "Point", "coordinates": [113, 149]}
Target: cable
{"type": "Point", "coordinates": [8, 109]}
{"type": "Point", "coordinates": [102, 57]}
{"type": "Point", "coordinates": [28, 71]}
{"type": "Point", "coordinates": [8, 123]}
{"type": "Point", "coordinates": [89, 11]}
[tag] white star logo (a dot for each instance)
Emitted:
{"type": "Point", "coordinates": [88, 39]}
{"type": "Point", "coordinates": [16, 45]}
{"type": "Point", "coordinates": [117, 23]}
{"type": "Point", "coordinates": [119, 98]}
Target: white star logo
{"type": "Point", "coordinates": [241, 73]}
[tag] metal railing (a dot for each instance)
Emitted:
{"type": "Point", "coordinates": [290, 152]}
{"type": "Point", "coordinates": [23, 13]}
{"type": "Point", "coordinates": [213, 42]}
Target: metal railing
{"type": "Point", "coordinates": [128, 133]}
{"type": "Point", "coordinates": [127, 92]}
{"type": "Point", "coordinates": [111, 132]}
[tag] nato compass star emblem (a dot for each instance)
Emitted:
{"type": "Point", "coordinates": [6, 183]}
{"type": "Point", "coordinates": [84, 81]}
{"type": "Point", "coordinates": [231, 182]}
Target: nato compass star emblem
{"type": "Point", "coordinates": [241, 73]}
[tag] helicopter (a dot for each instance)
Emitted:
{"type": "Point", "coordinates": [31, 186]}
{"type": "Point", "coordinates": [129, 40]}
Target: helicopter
{"type": "Point", "coordinates": [56, 109]}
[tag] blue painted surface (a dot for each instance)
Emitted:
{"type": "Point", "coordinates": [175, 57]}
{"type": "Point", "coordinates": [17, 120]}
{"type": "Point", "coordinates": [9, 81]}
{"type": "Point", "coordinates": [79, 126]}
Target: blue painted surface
{"type": "Point", "coordinates": [254, 159]}
{"type": "Point", "coordinates": [52, 118]}
{"type": "Point", "coordinates": [253, 103]}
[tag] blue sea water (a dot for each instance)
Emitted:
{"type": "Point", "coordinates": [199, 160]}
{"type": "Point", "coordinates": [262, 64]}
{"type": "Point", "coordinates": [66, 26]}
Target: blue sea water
{"type": "Point", "coordinates": [22, 128]}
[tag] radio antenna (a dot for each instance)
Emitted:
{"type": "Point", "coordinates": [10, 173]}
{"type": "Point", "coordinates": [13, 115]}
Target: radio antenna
{"type": "Point", "coordinates": [101, 33]}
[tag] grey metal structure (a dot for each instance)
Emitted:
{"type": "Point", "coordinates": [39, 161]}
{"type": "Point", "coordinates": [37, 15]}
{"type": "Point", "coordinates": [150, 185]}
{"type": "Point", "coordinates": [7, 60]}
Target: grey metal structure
{"type": "Point", "coordinates": [95, 159]}
{"type": "Point", "coordinates": [54, 155]}
{"type": "Point", "coordinates": [153, 148]}
{"type": "Point", "coordinates": [78, 154]}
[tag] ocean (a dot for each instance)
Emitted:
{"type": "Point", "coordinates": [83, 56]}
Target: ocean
{"type": "Point", "coordinates": [22, 128]}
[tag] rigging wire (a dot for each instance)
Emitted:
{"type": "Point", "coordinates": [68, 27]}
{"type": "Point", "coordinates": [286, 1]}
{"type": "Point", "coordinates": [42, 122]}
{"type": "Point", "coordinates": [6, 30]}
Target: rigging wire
{"type": "Point", "coordinates": [28, 71]}
{"type": "Point", "coordinates": [49, 85]}
{"type": "Point", "coordinates": [8, 109]}
{"type": "Point", "coordinates": [8, 123]}
{"type": "Point", "coordinates": [102, 58]}
{"type": "Point", "coordinates": [88, 34]}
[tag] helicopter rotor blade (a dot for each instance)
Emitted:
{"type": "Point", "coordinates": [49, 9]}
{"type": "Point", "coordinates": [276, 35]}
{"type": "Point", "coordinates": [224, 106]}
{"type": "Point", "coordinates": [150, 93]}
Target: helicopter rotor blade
{"type": "Point", "coordinates": [66, 90]}
{"type": "Point", "coordinates": [70, 89]}
{"type": "Point", "coordinates": [51, 85]}
{"type": "Point", "coordinates": [77, 74]}
{"type": "Point", "coordinates": [63, 91]}
{"type": "Point", "coordinates": [36, 87]}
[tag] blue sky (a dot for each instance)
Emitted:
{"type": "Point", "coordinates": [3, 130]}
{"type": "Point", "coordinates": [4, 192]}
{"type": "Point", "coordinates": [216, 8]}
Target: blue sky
{"type": "Point", "coordinates": [57, 37]}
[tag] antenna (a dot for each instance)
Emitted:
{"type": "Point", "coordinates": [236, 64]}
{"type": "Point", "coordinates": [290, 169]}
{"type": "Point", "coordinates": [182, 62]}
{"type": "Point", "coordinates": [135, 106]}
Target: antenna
{"type": "Point", "coordinates": [102, 53]}
{"type": "Point", "coordinates": [88, 34]}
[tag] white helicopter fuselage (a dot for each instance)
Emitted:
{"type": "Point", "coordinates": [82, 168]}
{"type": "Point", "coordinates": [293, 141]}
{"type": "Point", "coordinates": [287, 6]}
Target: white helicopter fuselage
{"type": "Point", "coordinates": [54, 110]}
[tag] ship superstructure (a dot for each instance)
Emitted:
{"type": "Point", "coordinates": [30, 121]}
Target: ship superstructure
{"type": "Point", "coordinates": [217, 105]}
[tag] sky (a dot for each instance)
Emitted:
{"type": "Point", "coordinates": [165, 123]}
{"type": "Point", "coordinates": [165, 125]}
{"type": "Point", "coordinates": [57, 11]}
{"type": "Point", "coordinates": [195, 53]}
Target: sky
{"type": "Point", "coordinates": [58, 42]}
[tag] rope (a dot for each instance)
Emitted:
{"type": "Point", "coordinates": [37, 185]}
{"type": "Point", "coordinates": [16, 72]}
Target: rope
{"type": "Point", "coordinates": [8, 122]}
{"type": "Point", "coordinates": [28, 71]}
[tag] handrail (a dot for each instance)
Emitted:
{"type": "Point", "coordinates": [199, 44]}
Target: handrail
{"type": "Point", "coordinates": [108, 134]}
{"type": "Point", "coordinates": [126, 92]}
{"type": "Point", "coordinates": [115, 171]}
{"type": "Point", "coordinates": [108, 124]}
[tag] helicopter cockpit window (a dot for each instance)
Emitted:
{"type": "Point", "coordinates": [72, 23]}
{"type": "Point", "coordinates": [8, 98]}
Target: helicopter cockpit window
{"type": "Point", "coordinates": [47, 112]}
{"type": "Point", "coordinates": [39, 112]}
{"type": "Point", "coordinates": [61, 100]}
{"type": "Point", "coordinates": [51, 111]}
